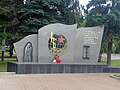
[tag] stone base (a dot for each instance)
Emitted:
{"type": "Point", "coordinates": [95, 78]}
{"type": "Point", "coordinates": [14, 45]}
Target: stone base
{"type": "Point", "coordinates": [111, 69]}
{"type": "Point", "coordinates": [36, 68]}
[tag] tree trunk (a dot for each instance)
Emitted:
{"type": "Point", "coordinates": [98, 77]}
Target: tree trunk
{"type": "Point", "coordinates": [100, 55]}
{"type": "Point", "coordinates": [11, 50]}
{"type": "Point", "coordinates": [110, 37]}
{"type": "Point", "coordinates": [4, 29]}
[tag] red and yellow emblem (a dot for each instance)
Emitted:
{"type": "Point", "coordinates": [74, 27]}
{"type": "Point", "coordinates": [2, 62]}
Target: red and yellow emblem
{"type": "Point", "coordinates": [57, 45]}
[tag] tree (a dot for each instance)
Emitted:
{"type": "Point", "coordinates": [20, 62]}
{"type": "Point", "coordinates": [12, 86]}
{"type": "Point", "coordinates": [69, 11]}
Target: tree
{"type": "Point", "coordinates": [26, 17]}
{"type": "Point", "coordinates": [9, 15]}
{"type": "Point", "coordinates": [35, 14]}
{"type": "Point", "coordinates": [100, 12]}
{"type": "Point", "coordinates": [8, 22]}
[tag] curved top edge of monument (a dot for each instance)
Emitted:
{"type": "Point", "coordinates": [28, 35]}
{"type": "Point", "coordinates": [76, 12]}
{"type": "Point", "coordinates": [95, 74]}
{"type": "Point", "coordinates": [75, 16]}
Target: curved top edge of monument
{"type": "Point", "coordinates": [57, 24]}
{"type": "Point", "coordinates": [33, 35]}
{"type": "Point", "coordinates": [100, 26]}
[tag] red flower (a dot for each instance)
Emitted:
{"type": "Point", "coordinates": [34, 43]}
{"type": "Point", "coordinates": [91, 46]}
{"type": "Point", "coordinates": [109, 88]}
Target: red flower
{"type": "Point", "coordinates": [57, 59]}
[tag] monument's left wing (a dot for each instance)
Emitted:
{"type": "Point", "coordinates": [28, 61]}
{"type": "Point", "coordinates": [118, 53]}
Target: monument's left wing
{"type": "Point", "coordinates": [26, 49]}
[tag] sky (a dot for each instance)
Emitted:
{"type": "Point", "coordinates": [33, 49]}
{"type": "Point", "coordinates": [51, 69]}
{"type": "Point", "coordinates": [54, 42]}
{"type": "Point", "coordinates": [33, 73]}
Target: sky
{"type": "Point", "coordinates": [84, 2]}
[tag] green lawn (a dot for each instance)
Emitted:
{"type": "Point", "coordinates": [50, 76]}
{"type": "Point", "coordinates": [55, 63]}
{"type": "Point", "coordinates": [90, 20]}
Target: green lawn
{"type": "Point", "coordinates": [6, 55]}
{"type": "Point", "coordinates": [117, 75]}
{"type": "Point", "coordinates": [3, 65]}
{"type": "Point", "coordinates": [114, 62]}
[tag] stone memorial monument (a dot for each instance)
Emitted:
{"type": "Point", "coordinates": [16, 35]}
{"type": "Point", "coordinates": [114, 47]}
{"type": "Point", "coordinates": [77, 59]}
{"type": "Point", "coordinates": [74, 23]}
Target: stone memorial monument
{"type": "Point", "coordinates": [59, 48]}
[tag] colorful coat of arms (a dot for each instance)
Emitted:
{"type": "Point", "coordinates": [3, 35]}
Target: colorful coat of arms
{"type": "Point", "coordinates": [57, 45]}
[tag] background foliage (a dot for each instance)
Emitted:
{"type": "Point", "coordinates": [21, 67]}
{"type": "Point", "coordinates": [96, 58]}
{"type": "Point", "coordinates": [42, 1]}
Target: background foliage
{"type": "Point", "coordinates": [19, 18]}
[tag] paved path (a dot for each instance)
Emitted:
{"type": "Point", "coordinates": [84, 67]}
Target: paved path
{"type": "Point", "coordinates": [58, 82]}
{"type": "Point", "coordinates": [113, 56]}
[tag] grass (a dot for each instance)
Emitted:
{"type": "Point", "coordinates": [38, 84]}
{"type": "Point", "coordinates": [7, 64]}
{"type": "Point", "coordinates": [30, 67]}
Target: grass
{"type": "Point", "coordinates": [117, 75]}
{"type": "Point", "coordinates": [114, 62]}
{"type": "Point", "coordinates": [3, 65]}
{"type": "Point", "coordinates": [6, 55]}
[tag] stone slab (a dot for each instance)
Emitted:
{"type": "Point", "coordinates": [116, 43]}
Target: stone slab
{"type": "Point", "coordinates": [83, 44]}
{"type": "Point", "coordinates": [36, 68]}
{"type": "Point", "coordinates": [20, 45]}
{"type": "Point", "coordinates": [90, 38]}
{"type": "Point", "coordinates": [68, 31]}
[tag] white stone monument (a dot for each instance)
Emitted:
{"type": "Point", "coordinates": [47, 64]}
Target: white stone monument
{"type": "Point", "coordinates": [80, 45]}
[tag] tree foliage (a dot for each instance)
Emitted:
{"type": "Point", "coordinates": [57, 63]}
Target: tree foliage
{"type": "Point", "coordinates": [17, 16]}
{"type": "Point", "coordinates": [100, 12]}
{"type": "Point", "coordinates": [8, 19]}
{"type": "Point", "coordinates": [35, 14]}
{"type": "Point", "coordinates": [26, 17]}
